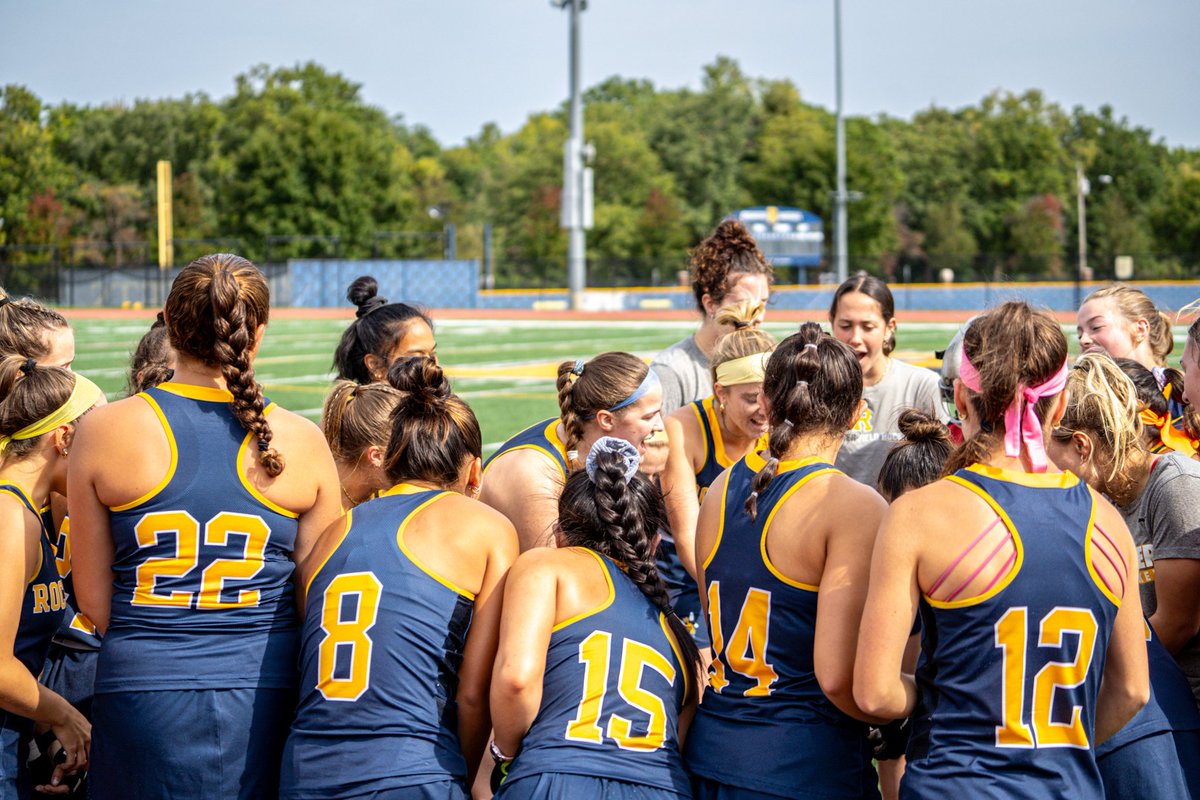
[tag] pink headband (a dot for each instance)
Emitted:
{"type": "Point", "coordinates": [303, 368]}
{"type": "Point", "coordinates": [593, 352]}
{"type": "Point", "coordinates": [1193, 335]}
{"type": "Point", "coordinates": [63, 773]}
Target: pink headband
{"type": "Point", "coordinates": [1018, 424]}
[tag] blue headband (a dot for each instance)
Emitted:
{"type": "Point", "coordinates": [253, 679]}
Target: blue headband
{"type": "Point", "coordinates": [649, 382]}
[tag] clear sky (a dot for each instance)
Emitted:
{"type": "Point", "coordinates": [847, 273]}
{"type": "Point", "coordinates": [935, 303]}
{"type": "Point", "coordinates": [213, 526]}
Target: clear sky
{"type": "Point", "coordinates": [454, 65]}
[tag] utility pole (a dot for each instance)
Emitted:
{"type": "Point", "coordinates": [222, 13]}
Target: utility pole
{"type": "Point", "coordinates": [840, 198]}
{"type": "Point", "coordinates": [576, 214]}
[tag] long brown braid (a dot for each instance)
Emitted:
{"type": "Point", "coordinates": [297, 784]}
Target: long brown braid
{"type": "Point", "coordinates": [213, 313]}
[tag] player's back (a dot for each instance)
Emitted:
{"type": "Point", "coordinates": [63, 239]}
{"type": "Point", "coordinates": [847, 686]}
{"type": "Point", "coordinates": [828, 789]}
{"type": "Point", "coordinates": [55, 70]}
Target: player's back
{"type": "Point", "coordinates": [612, 690]}
{"type": "Point", "coordinates": [764, 705]}
{"type": "Point", "coordinates": [1009, 678]}
{"type": "Point", "coordinates": [540, 437]}
{"type": "Point", "coordinates": [202, 591]}
{"type": "Point", "coordinates": [382, 643]}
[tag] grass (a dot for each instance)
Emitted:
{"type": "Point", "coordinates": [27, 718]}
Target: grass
{"type": "Point", "coordinates": [504, 369]}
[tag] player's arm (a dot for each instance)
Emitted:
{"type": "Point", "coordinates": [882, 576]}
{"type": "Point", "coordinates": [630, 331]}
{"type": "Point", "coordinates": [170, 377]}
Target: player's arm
{"type": "Point", "coordinates": [320, 552]}
{"type": "Point", "coordinates": [1176, 620]}
{"type": "Point", "coordinates": [498, 536]}
{"type": "Point", "coordinates": [679, 492]}
{"type": "Point", "coordinates": [524, 486]}
{"type": "Point", "coordinates": [530, 601]}
{"type": "Point", "coordinates": [708, 527]}
{"type": "Point", "coordinates": [20, 693]}
{"type": "Point", "coordinates": [1125, 683]}
{"type": "Point", "coordinates": [315, 461]}
{"type": "Point", "coordinates": [881, 688]}
{"type": "Point", "coordinates": [842, 591]}
{"type": "Point", "coordinates": [91, 533]}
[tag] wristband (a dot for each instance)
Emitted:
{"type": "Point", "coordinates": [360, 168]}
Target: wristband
{"type": "Point", "coordinates": [498, 754]}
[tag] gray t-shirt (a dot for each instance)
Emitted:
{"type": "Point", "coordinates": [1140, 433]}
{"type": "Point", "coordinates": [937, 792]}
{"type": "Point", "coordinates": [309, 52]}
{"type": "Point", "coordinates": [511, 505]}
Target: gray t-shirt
{"type": "Point", "coordinates": [685, 374]}
{"type": "Point", "coordinates": [1165, 523]}
{"type": "Point", "coordinates": [867, 444]}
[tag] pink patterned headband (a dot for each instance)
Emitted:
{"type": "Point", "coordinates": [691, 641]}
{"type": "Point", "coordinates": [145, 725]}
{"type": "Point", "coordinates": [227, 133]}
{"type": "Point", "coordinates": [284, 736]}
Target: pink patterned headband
{"type": "Point", "coordinates": [1021, 421]}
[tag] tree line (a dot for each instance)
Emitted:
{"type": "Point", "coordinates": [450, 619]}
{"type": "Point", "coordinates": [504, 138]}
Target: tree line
{"type": "Point", "coordinates": [988, 190]}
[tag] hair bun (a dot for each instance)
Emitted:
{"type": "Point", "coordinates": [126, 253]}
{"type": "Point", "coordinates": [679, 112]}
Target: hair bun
{"type": "Point", "coordinates": [920, 426]}
{"type": "Point", "coordinates": [363, 292]}
{"type": "Point", "coordinates": [421, 379]}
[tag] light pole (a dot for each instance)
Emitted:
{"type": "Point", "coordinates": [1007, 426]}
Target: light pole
{"type": "Point", "coordinates": [577, 178]}
{"type": "Point", "coordinates": [1083, 187]}
{"type": "Point", "coordinates": [840, 199]}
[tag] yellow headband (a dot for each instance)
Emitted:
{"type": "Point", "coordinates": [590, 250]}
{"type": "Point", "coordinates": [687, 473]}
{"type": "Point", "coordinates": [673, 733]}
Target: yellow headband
{"type": "Point", "coordinates": [85, 395]}
{"type": "Point", "coordinates": [747, 369]}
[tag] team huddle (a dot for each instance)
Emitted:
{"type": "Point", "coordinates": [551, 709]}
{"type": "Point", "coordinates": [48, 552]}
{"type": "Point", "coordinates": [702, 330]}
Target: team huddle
{"type": "Point", "coordinates": [753, 568]}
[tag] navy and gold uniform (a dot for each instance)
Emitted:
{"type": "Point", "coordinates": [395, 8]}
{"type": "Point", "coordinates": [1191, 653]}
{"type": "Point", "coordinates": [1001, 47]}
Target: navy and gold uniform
{"type": "Point", "coordinates": [383, 640]}
{"type": "Point", "coordinates": [43, 606]}
{"type": "Point", "coordinates": [612, 690]}
{"type": "Point", "coordinates": [1009, 679]}
{"type": "Point", "coordinates": [715, 460]}
{"type": "Point", "coordinates": [197, 672]}
{"type": "Point", "coordinates": [764, 706]}
{"type": "Point", "coordinates": [540, 437]}
{"type": "Point", "coordinates": [1144, 758]}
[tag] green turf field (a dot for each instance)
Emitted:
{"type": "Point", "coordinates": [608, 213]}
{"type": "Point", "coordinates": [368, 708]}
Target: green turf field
{"type": "Point", "coordinates": [504, 369]}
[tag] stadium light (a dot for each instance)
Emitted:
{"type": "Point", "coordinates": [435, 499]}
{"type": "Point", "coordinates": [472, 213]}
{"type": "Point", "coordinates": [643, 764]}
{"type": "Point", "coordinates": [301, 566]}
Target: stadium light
{"type": "Point", "coordinates": [840, 198]}
{"type": "Point", "coordinates": [576, 213]}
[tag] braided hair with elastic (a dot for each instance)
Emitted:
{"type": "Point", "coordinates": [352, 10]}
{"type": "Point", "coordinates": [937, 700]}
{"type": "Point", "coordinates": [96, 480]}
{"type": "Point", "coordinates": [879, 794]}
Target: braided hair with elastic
{"type": "Point", "coordinates": [621, 520]}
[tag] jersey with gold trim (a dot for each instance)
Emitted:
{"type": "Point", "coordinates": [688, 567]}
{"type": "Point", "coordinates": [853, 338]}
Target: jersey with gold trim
{"type": "Point", "coordinates": [714, 447]}
{"type": "Point", "coordinates": [1009, 680]}
{"type": "Point", "coordinates": [77, 631]}
{"type": "Point", "coordinates": [44, 603]}
{"type": "Point", "coordinates": [382, 643]}
{"type": "Point", "coordinates": [763, 705]}
{"type": "Point", "coordinates": [540, 437]}
{"type": "Point", "coordinates": [611, 695]}
{"type": "Point", "coordinates": [202, 590]}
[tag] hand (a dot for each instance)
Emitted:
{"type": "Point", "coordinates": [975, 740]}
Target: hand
{"type": "Point", "coordinates": [74, 738]}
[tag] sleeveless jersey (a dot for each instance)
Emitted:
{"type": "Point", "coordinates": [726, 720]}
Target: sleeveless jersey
{"type": "Point", "coordinates": [764, 706]}
{"type": "Point", "coordinates": [77, 631]}
{"type": "Point", "coordinates": [202, 591]}
{"type": "Point", "coordinates": [383, 640]}
{"type": "Point", "coordinates": [1008, 680]}
{"type": "Point", "coordinates": [44, 602]}
{"type": "Point", "coordinates": [540, 437]}
{"type": "Point", "coordinates": [611, 695]}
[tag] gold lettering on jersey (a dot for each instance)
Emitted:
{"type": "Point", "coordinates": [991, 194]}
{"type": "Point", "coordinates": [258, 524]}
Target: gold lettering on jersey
{"type": "Point", "coordinates": [1145, 554]}
{"type": "Point", "coordinates": [48, 597]}
{"type": "Point", "coordinates": [864, 422]}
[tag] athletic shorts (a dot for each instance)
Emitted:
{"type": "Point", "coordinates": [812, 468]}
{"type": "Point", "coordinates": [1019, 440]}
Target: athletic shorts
{"type": "Point", "coordinates": [1187, 747]}
{"type": "Point", "coordinates": [438, 790]}
{"type": "Point", "coordinates": [14, 779]}
{"type": "Point", "coordinates": [189, 745]}
{"type": "Point", "coordinates": [564, 786]}
{"type": "Point", "coordinates": [1144, 769]}
{"type": "Point", "coordinates": [705, 789]}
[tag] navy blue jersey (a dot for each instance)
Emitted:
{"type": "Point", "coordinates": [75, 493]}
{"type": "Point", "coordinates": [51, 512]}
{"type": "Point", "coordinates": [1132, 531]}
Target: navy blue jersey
{"type": "Point", "coordinates": [44, 603]}
{"type": "Point", "coordinates": [1009, 679]}
{"type": "Point", "coordinates": [77, 630]}
{"type": "Point", "coordinates": [611, 694]}
{"type": "Point", "coordinates": [540, 437]}
{"type": "Point", "coordinates": [43, 606]}
{"type": "Point", "coordinates": [715, 459]}
{"type": "Point", "coordinates": [763, 705]}
{"type": "Point", "coordinates": [383, 640]}
{"type": "Point", "coordinates": [202, 590]}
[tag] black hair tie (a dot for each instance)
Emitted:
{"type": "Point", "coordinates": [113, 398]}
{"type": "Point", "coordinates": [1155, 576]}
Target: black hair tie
{"type": "Point", "coordinates": [29, 366]}
{"type": "Point", "coordinates": [263, 445]}
{"type": "Point", "coordinates": [5, 301]}
{"type": "Point", "coordinates": [371, 305]}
